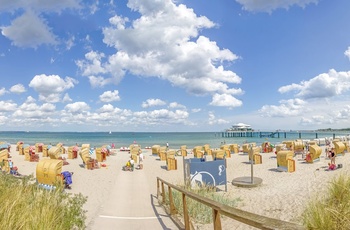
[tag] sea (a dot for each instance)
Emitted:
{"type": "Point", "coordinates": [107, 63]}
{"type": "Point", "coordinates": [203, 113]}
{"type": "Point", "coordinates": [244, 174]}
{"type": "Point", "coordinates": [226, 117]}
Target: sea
{"type": "Point", "coordinates": [148, 139]}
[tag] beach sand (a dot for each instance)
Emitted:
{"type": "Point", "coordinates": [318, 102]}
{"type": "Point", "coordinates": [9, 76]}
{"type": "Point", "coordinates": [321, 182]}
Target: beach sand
{"type": "Point", "coordinates": [281, 195]}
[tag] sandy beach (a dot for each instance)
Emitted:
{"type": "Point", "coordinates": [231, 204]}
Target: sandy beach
{"type": "Point", "coordinates": [281, 195]}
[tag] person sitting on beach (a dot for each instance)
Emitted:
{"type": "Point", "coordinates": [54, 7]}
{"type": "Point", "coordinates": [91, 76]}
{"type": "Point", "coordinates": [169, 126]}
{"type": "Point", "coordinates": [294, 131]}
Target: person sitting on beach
{"type": "Point", "coordinates": [129, 166]}
{"type": "Point", "coordinates": [67, 178]}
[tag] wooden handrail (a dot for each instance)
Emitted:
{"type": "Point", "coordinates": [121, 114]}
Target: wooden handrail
{"type": "Point", "coordinates": [255, 220]}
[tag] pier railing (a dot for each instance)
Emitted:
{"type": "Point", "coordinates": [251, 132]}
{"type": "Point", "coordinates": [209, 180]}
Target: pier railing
{"type": "Point", "coordinates": [218, 209]}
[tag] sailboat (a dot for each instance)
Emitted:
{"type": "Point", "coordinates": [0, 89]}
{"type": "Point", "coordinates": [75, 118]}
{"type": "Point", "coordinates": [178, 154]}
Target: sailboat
{"type": "Point", "coordinates": [110, 132]}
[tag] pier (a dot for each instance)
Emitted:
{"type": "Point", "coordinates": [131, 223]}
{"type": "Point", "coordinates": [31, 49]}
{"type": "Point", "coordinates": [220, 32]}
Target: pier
{"type": "Point", "coordinates": [283, 134]}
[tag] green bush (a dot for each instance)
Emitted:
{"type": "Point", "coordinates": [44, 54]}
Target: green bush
{"type": "Point", "coordinates": [25, 206]}
{"type": "Point", "coordinates": [330, 210]}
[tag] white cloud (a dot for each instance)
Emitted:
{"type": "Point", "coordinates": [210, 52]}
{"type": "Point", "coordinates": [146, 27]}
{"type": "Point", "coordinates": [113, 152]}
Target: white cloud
{"type": "Point", "coordinates": [77, 107]}
{"type": "Point", "coordinates": [287, 108]}
{"type": "Point", "coordinates": [175, 105]}
{"type": "Point", "coordinates": [347, 53]}
{"type": "Point", "coordinates": [30, 99]}
{"type": "Point", "coordinates": [110, 96]}
{"type": "Point", "coordinates": [196, 110]}
{"type": "Point", "coordinates": [6, 106]}
{"type": "Point", "coordinates": [324, 85]}
{"type": "Point", "coordinates": [66, 98]}
{"type": "Point", "coordinates": [19, 88]}
{"type": "Point", "coordinates": [155, 45]}
{"type": "Point", "coordinates": [270, 5]}
{"type": "Point", "coordinates": [215, 121]}
{"type": "Point", "coordinates": [50, 87]}
{"type": "Point", "coordinates": [29, 30]}
{"type": "Point", "coordinates": [152, 102]}
{"type": "Point", "coordinates": [226, 100]}
{"type": "Point", "coordinates": [2, 91]}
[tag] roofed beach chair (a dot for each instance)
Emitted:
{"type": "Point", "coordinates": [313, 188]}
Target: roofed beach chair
{"type": "Point", "coordinates": [254, 155]}
{"type": "Point", "coordinates": [29, 154]}
{"type": "Point", "coordinates": [48, 172]}
{"type": "Point", "coordinates": [314, 154]}
{"type": "Point", "coordinates": [298, 147]}
{"type": "Point", "coordinates": [73, 152]}
{"type": "Point", "coordinates": [285, 161]}
{"type": "Point", "coordinates": [207, 149]}
{"type": "Point", "coordinates": [39, 147]}
{"type": "Point", "coordinates": [226, 149]}
{"type": "Point", "coordinates": [339, 148]}
{"type": "Point", "coordinates": [182, 151]}
{"type": "Point", "coordinates": [4, 161]}
{"type": "Point", "coordinates": [88, 161]}
{"type": "Point", "coordinates": [54, 152]}
{"type": "Point", "coordinates": [46, 150]}
{"type": "Point", "coordinates": [18, 144]}
{"type": "Point", "coordinates": [162, 153]}
{"type": "Point", "coordinates": [101, 154]}
{"type": "Point", "coordinates": [198, 151]}
{"type": "Point", "coordinates": [61, 147]}
{"type": "Point", "coordinates": [155, 149]}
{"type": "Point", "coordinates": [234, 148]}
{"type": "Point", "coordinates": [246, 147]}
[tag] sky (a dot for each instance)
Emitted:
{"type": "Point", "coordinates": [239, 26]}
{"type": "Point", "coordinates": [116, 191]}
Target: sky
{"type": "Point", "coordinates": [174, 66]}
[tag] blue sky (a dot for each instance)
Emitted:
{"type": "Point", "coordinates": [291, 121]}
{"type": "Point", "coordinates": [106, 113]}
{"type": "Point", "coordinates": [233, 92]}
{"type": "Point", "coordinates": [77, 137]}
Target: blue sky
{"type": "Point", "coordinates": [163, 65]}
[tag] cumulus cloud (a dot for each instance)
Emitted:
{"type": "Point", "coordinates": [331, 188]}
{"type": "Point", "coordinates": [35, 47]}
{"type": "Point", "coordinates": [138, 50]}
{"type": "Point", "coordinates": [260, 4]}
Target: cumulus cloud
{"type": "Point", "coordinates": [29, 30]}
{"type": "Point", "coordinates": [152, 102]}
{"type": "Point", "coordinates": [175, 105]}
{"type": "Point", "coordinates": [7, 106]}
{"type": "Point", "coordinates": [287, 108]}
{"type": "Point", "coordinates": [19, 88]}
{"type": "Point", "coordinates": [155, 45]}
{"type": "Point", "coordinates": [50, 87]}
{"type": "Point", "coordinates": [270, 5]}
{"type": "Point", "coordinates": [110, 96]}
{"type": "Point", "coordinates": [325, 85]}
{"type": "Point", "coordinates": [77, 107]}
{"type": "Point", "coordinates": [226, 100]}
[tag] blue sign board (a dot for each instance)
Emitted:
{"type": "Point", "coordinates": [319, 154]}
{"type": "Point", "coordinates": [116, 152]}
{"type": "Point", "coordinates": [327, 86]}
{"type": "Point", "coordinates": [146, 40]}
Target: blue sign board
{"type": "Point", "coordinates": [201, 173]}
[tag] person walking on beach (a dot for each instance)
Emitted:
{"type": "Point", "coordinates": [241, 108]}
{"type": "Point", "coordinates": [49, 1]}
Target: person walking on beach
{"type": "Point", "coordinates": [141, 157]}
{"type": "Point", "coordinates": [167, 145]}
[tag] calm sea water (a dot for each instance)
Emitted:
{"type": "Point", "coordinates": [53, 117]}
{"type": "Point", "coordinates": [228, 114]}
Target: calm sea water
{"type": "Point", "coordinates": [121, 139]}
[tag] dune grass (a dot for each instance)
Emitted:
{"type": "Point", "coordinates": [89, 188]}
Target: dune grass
{"type": "Point", "coordinates": [330, 210]}
{"type": "Point", "coordinates": [199, 212]}
{"type": "Point", "coordinates": [25, 206]}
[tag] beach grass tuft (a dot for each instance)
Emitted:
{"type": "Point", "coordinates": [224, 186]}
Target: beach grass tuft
{"type": "Point", "coordinates": [197, 211]}
{"type": "Point", "coordinates": [26, 206]}
{"type": "Point", "coordinates": [330, 210]}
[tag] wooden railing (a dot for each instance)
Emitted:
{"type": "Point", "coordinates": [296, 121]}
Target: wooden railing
{"type": "Point", "coordinates": [219, 209]}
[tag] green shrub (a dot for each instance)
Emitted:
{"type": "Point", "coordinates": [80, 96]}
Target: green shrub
{"type": "Point", "coordinates": [25, 206]}
{"type": "Point", "coordinates": [330, 210]}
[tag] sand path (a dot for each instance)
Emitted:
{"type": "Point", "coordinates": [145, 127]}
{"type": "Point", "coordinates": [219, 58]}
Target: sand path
{"type": "Point", "coordinates": [131, 204]}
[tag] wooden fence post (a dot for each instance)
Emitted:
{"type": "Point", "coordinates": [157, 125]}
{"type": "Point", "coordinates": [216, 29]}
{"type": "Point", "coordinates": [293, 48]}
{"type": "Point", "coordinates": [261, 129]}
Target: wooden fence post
{"type": "Point", "coordinates": [185, 212]}
{"type": "Point", "coordinates": [216, 219]}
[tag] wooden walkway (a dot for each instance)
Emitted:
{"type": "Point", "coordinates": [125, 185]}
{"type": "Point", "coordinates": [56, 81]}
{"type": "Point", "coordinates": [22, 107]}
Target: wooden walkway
{"type": "Point", "coordinates": [131, 205]}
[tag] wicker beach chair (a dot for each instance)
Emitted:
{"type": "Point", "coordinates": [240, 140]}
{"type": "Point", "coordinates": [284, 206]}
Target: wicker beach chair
{"type": "Point", "coordinates": [48, 172]}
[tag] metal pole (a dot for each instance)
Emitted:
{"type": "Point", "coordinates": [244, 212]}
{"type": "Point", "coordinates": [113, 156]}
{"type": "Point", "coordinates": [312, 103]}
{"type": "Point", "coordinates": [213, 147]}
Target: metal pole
{"type": "Point", "coordinates": [251, 164]}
